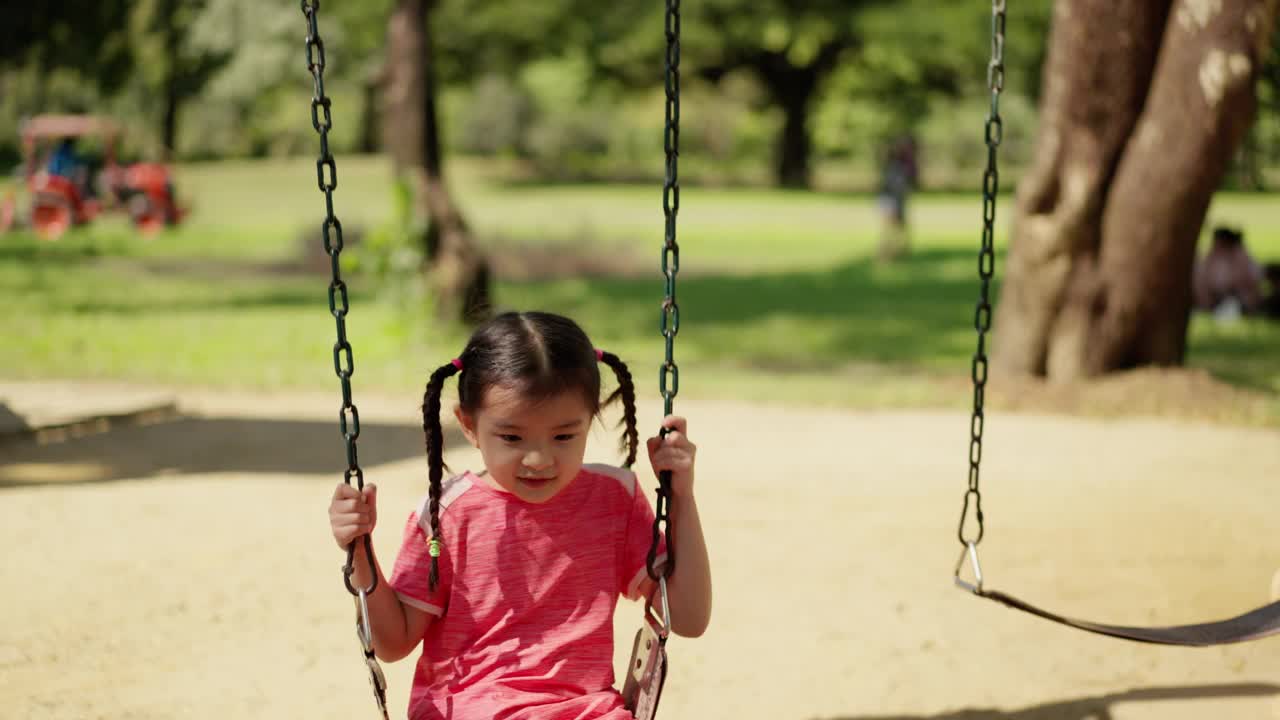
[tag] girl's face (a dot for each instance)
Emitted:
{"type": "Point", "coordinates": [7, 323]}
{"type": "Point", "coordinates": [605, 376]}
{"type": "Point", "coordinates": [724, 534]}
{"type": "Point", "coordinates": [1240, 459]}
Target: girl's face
{"type": "Point", "coordinates": [531, 450]}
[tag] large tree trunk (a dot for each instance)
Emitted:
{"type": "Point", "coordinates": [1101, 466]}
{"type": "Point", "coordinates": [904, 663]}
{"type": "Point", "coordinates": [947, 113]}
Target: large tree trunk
{"type": "Point", "coordinates": [459, 273]}
{"type": "Point", "coordinates": [172, 100]}
{"type": "Point", "coordinates": [1145, 101]}
{"type": "Point", "coordinates": [794, 94]}
{"type": "Point", "coordinates": [367, 134]}
{"type": "Point", "coordinates": [793, 88]}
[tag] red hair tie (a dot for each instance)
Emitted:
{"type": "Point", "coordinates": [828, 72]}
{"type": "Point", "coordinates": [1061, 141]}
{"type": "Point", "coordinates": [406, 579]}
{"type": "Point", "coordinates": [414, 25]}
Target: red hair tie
{"type": "Point", "coordinates": [599, 355]}
{"type": "Point", "coordinates": [457, 363]}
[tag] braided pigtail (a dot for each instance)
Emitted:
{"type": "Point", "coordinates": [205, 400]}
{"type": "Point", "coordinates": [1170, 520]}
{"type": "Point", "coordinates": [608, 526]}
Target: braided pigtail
{"type": "Point", "coordinates": [435, 458]}
{"type": "Point", "coordinates": [627, 392]}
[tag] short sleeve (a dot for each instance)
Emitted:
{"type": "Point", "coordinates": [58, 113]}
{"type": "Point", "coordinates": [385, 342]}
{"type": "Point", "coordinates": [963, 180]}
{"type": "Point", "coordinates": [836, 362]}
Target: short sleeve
{"type": "Point", "coordinates": [639, 536]}
{"type": "Point", "coordinates": [409, 577]}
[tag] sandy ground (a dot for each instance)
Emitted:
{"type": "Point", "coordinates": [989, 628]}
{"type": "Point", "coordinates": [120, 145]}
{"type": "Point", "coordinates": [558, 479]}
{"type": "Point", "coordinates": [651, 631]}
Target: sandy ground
{"type": "Point", "coordinates": [185, 569]}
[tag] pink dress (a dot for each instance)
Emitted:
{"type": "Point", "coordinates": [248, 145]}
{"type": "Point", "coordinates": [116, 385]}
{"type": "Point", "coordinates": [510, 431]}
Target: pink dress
{"type": "Point", "coordinates": [524, 607]}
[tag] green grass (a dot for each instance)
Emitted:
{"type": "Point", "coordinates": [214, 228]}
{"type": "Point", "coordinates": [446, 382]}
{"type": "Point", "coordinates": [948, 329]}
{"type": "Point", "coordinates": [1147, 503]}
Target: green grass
{"type": "Point", "coordinates": [780, 299]}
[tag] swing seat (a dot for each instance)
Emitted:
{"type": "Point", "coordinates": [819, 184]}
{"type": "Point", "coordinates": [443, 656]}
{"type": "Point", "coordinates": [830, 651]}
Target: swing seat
{"type": "Point", "coordinates": [1253, 625]}
{"type": "Point", "coordinates": [647, 670]}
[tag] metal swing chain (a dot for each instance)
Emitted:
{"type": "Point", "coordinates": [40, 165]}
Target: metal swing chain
{"type": "Point", "coordinates": [343, 359]}
{"type": "Point", "coordinates": [986, 269]}
{"type": "Point", "coordinates": [669, 372]}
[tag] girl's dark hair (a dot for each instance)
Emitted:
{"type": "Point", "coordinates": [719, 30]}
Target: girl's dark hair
{"type": "Point", "coordinates": [540, 355]}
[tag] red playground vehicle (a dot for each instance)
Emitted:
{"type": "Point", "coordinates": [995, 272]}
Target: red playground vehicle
{"type": "Point", "coordinates": [63, 192]}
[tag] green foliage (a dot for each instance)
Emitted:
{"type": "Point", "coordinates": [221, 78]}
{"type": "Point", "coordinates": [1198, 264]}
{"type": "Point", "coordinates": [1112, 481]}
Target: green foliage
{"type": "Point", "coordinates": [953, 144]}
{"type": "Point", "coordinates": [568, 127]}
{"type": "Point", "coordinates": [718, 35]}
{"type": "Point", "coordinates": [475, 37]}
{"type": "Point", "coordinates": [58, 56]}
{"type": "Point", "coordinates": [899, 56]}
{"type": "Point", "coordinates": [262, 43]}
{"type": "Point", "coordinates": [85, 36]}
{"type": "Point", "coordinates": [392, 254]}
{"type": "Point", "coordinates": [495, 118]}
{"type": "Point", "coordinates": [574, 87]}
{"type": "Point", "coordinates": [1265, 137]}
{"type": "Point", "coordinates": [60, 90]}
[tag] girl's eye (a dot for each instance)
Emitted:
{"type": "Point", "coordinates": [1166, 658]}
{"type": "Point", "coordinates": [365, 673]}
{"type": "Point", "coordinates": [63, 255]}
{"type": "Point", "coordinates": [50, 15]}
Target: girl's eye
{"type": "Point", "coordinates": [510, 438]}
{"type": "Point", "coordinates": [565, 437]}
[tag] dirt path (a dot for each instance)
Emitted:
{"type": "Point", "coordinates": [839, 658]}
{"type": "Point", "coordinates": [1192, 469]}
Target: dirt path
{"type": "Point", "coordinates": [184, 569]}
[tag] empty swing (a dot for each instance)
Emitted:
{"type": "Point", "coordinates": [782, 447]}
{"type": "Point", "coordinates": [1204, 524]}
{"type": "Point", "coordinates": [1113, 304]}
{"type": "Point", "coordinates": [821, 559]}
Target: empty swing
{"type": "Point", "coordinates": [1253, 625]}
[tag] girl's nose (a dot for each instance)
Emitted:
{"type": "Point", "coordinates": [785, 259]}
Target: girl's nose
{"type": "Point", "coordinates": [537, 460]}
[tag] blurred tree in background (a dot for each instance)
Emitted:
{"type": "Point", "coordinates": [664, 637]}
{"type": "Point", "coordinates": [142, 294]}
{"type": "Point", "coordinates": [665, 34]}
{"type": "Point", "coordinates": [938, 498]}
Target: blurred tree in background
{"type": "Point", "coordinates": [169, 66]}
{"type": "Point", "coordinates": [84, 36]}
{"type": "Point", "coordinates": [410, 83]}
{"type": "Point", "coordinates": [1146, 102]}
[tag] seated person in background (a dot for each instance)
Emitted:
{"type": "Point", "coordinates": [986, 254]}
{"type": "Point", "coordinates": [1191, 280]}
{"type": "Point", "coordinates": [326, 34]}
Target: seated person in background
{"type": "Point", "coordinates": [64, 161]}
{"type": "Point", "coordinates": [1226, 276]}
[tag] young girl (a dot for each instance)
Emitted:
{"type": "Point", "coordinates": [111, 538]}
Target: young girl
{"type": "Point", "coordinates": [509, 577]}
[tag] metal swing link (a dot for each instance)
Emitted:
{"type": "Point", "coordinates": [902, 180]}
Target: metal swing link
{"type": "Point", "coordinates": [669, 371]}
{"type": "Point", "coordinates": [364, 630]}
{"type": "Point", "coordinates": [343, 358]}
{"type": "Point", "coordinates": [331, 229]}
{"type": "Point", "coordinates": [647, 670]}
{"type": "Point", "coordinates": [972, 525]}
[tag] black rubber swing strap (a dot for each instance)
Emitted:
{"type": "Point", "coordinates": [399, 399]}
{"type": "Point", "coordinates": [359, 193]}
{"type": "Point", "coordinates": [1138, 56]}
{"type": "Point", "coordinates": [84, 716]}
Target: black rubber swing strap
{"type": "Point", "coordinates": [1253, 625]}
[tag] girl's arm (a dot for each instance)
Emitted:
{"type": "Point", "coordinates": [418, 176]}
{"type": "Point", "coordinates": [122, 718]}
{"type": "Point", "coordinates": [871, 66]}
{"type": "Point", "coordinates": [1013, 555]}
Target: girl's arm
{"type": "Point", "coordinates": [397, 627]}
{"type": "Point", "coordinates": [689, 587]}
